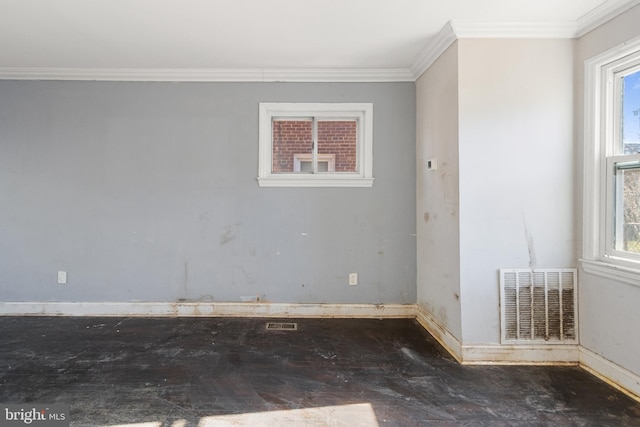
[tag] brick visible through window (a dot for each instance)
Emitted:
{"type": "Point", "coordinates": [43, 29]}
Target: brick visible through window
{"type": "Point", "coordinates": [295, 138]}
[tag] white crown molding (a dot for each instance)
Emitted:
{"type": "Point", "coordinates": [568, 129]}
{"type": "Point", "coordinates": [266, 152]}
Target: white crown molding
{"type": "Point", "coordinates": [602, 14]}
{"type": "Point", "coordinates": [132, 74]}
{"type": "Point", "coordinates": [208, 75]}
{"type": "Point", "coordinates": [338, 75]}
{"type": "Point", "coordinates": [432, 50]}
{"type": "Point", "coordinates": [454, 30]}
{"type": "Point", "coordinates": [435, 47]}
{"type": "Point", "coordinates": [515, 30]}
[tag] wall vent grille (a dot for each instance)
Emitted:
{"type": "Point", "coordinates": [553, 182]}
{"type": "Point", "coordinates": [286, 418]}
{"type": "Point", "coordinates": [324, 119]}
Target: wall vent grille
{"type": "Point", "coordinates": [538, 306]}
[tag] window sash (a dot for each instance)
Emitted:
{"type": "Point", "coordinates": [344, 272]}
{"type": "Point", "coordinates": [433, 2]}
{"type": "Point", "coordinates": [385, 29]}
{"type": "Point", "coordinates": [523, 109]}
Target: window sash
{"type": "Point", "coordinates": [615, 162]}
{"type": "Point", "coordinates": [361, 113]}
{"type": "Point", "coordinates": [598, 146]}
{"type": "Point", "coordinates": [614, 218]}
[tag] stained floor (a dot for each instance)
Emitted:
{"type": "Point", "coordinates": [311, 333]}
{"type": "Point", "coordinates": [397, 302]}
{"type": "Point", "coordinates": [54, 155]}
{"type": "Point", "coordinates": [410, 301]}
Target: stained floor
{"type": "Point", "coordinates": [330, 372]}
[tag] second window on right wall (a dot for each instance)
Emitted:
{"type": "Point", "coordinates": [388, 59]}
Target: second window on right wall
{"type": "Point", "coordinates": [612, 163]}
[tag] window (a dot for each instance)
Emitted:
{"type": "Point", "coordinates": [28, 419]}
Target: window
{"type": "Point", "coordinates": [612, 164]}
{"type": "Point", "coordinates": [315, 145]}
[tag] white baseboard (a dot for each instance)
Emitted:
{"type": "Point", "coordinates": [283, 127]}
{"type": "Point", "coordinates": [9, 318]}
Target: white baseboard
{"type": "Point", "coordinates": [205, 309]}
{"type": "Point", "coordinates": [440, 333]}
{"type": "Point", "coordinates": [611, 373]}
{"type": "Point", "coordinates": [552, 354]}
{"type": "Point", "coordinates": [546, 354]}
{"type": "Point", "coordinates": [495, 353]}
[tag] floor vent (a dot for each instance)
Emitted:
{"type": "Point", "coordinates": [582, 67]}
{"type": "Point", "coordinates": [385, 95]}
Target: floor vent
{"type": "Point", "coordinates": [279, 326]}
{"type": "Point", "coordinates": [538, 306]}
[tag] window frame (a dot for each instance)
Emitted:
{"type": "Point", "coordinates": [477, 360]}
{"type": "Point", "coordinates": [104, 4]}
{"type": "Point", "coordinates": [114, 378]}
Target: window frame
{"type": "Point", "coordinates": [603, 74]}
{"type": "Point", "coordinates": [361, 112]}
{"type": "Point", "coordinates": [329, 159]}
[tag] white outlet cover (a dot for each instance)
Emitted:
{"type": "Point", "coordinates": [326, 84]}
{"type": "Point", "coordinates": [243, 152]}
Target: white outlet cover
{"type": "Point", "coordinates": [62, 277]}
{"type": "Point", "coordinates": [353, 279]}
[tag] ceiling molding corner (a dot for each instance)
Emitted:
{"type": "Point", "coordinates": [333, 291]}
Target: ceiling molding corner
{"type": "Point", "coordinates": [454, 30]}
{"type": "Point", "coordinates": [432, 50]}
{"type": "Point", "coordinates": [603, 14]}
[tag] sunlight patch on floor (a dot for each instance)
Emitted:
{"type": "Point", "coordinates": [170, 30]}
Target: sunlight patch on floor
{"type": "Point", "coordinates": [356, 415]}
{"type": "Point", "coordinates": [152, 424]}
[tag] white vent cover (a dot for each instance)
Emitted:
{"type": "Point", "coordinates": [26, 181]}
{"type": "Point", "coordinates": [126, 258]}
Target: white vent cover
{"type": "Point", "coordinates": [538, 306]}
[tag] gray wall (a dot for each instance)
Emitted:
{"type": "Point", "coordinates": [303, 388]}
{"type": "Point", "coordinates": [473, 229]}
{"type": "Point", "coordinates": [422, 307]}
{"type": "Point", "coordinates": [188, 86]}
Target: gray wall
{"type": "Point", "coordinates": [148, 192]}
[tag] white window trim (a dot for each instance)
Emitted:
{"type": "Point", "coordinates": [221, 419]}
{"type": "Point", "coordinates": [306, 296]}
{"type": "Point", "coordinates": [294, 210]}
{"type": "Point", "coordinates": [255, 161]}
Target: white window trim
{"type": "Point", "coordinates": [363, 112]}
{"type": "Point", "coordinates": [598, 146]}
{"type": "Point", "coordinates": [330, 159]}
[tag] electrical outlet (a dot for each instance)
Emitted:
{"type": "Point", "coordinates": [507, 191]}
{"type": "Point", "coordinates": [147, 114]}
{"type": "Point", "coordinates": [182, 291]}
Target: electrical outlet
{"type": "Point", "coordinates": [353, 279]}
{"type": "Point", "coordinates": [62, 277]}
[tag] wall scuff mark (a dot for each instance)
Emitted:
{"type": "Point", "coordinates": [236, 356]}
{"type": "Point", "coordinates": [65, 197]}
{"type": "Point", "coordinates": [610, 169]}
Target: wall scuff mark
{"type": "Point", "coordinates": [530, 246]}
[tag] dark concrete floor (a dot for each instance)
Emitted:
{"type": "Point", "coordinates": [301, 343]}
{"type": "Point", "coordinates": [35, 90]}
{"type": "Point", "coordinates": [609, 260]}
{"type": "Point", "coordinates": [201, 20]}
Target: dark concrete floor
{"type": "Point", "coordinates": [201, 371]}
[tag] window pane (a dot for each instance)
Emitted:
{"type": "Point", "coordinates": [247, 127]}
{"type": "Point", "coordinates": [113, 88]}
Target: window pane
{"type": "Point", "coordinates": [631, 211]}
{"type": "Point", "coordinates": [631, 114]}
{"type": "Point", "coordinates": [339, 138]}
{"type": "Point", "coordinates": [291, 138]}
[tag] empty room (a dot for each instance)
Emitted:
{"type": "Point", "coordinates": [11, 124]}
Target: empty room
{"type": "Point", "coordinates": [319, 213]}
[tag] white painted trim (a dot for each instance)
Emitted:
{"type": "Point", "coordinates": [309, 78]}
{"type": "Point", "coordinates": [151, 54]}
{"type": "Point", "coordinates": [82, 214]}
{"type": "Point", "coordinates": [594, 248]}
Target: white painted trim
{"type": "Point", "coordinates": [525, 354]}
{"type": "Point", "coordinates": [133, 74]}
{"type": "Point", "coordinates": [439, 332]}
{"type": "Point", "coordinates": [317, 181]}
{"type": "Point", "coordinates": [515, 30]}
{"type": "Point", "coordinates": [599, 72]}
{"type": "Point", "coordinates": [603, 14]}
{"type": "Point", "coordinates": [435, 47]}
{"type": "Point", "coordinates": [329, 159]}
{"type": "Point", "coordinates": [208, 75]}
{"type": "Point", "coordinates": [338, 75]}
{"type": "Point", "coordinates": [613, 374]}
{"type": "Point", "coordinates": [456, 29]}
{"type": "Point", "coordinates": [609, 271]}
{"type": "Point", "coordinates": [205, 309]}
{"type": "Point", "coordinates": [362, 112]}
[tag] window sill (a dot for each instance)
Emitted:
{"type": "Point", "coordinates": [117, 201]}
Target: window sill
{"type": "Point", "coordinates": [630, 276]}
{"type": "Point", "coordinates": [314, 181]}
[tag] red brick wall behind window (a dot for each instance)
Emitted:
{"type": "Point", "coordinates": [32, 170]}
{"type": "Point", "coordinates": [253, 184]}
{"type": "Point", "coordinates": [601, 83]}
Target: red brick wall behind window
{"type": "Point", "coordinates": [294, 137]}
